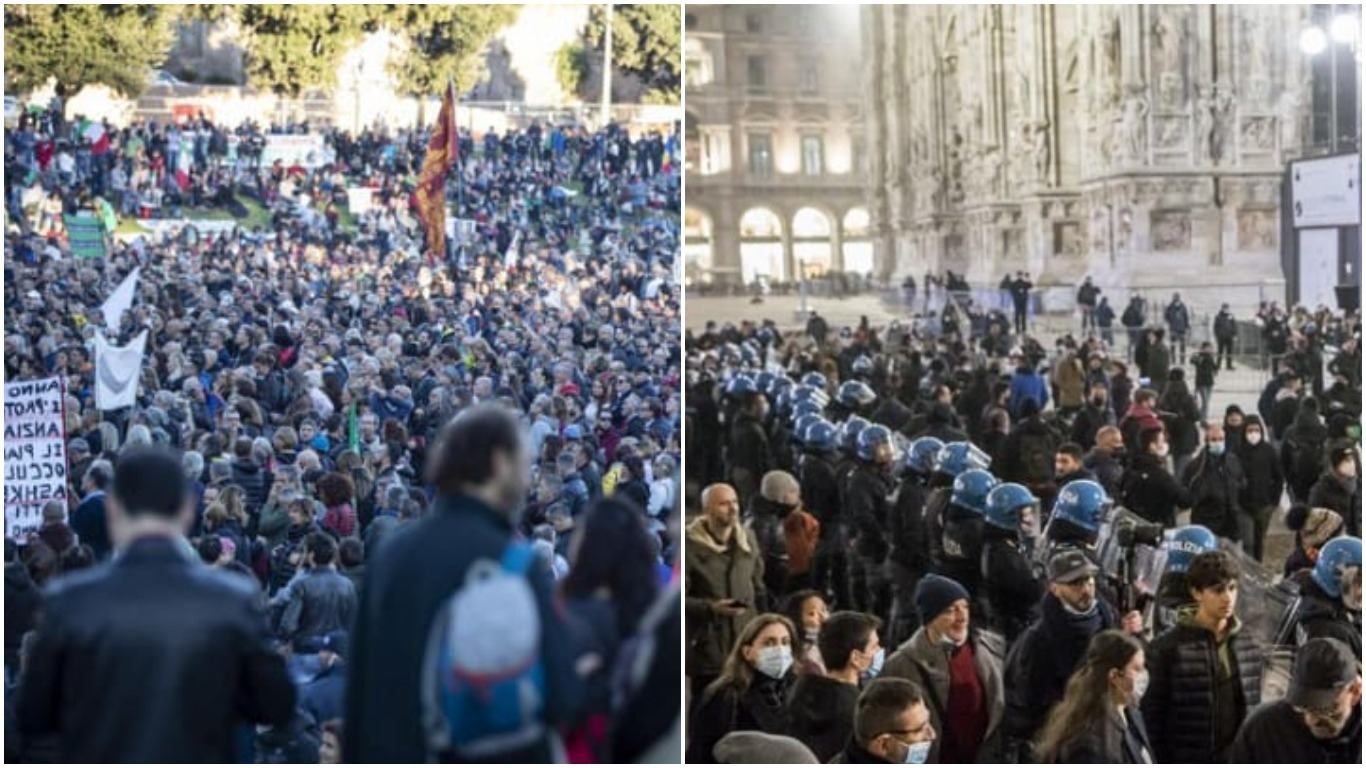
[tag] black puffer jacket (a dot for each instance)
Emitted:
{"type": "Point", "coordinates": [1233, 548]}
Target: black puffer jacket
{"type": "Point", "coordinates": [821, 712]}
{"type": "Point", "coordinates": [1343, 498]}
{"type": "Point", "coordinates": [1179, 707]}
{"type": "Point", "coordinates": [766, 520]}
{"type": "Point", "coordinates": [1322, 616]}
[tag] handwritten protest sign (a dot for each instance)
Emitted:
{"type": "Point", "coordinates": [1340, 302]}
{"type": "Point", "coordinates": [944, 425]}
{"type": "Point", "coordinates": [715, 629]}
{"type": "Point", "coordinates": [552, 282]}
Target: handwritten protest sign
{"type": "Point", "coordinates": [35, 452]}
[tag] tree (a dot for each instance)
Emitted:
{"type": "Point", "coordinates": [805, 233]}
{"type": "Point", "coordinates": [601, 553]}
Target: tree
{"type": "Point", "coordinates": [571, 67]}
{"type": "Point", "coordinates": [291, 48]}
{"type": "Point", "coordinates": [80, 45]}
{"type": "Point", "coordinates": [445, 42]}
{"type": "Point", "coordinates": [645, 42]}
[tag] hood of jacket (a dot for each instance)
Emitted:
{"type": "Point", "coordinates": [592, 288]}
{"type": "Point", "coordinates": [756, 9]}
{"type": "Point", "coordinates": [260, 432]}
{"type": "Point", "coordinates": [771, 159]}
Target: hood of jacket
{"type": "Point", "coordinates": [699, 534]}
{"type": "Point", "coordinates": [1185, 617]}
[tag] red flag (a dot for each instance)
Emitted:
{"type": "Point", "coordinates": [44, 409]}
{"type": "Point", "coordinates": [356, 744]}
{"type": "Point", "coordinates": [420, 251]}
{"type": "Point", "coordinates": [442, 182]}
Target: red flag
{"type": "Point", "coordinates": [429, 199]}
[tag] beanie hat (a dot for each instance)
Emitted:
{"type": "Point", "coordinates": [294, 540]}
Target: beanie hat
{"type": "Point", "coordinates": [934, 594]}
{"type": "Point", "coordinates": [757, 747]}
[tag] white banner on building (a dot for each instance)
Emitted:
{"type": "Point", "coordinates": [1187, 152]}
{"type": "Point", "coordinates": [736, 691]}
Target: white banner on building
{"type": "Point", "coordinates": [35, 452]}
{"type": "Point", "coordinates": [117, 372]}
{"type": "Point", "coordinates": [1326, 191]}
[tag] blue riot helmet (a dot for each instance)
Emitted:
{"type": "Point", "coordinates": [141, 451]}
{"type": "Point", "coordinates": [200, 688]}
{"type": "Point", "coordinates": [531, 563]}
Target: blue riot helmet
{"type": "Point", "coordinates": [862, 366]}
{"type": "Point", "coordinates": [855, 395]}
{"type": "Point", "coordinates": [763, 381]}
{"type": "Point", "coordinates": [1336, 560]}
{"type": "Point", "coordinates": [1184, 543]}
{"type": "Point", "coordinates": [956, 458]}
{"type": "Point", "coordinates": [821, 437]}
{"type": "Point", "coordinates": [816, 381]}
{"type": "Point", "coordinates": [871, 440]}
{"type": "Point", "coordinates": [740, 384]}
{"type": "Point", "coordinates": [779, 385]}
{"type": "Point", "coordinates": [922, 453]}
{"type": "Point", "coordinates": [1082, 504]}
{"type": "Point", "coordinates": [850, 432]}
{"type": "Point", "coordinates": [808, 392]}
{"type": "Point", "coordinates": [1005, 503]}
{"type": "Point", "coordinates": [800, 426]}
{"type": "Point", "coordinates": [971, 488]}
{"type": "Point", "coordinates": [805, 408]}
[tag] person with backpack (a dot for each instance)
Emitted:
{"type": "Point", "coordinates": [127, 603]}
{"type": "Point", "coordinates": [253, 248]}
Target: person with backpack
{"type": "Point", "coordinates": [1029, 451]}
{"type": "Point", "coordinates": [435, 593]}
{"type": "Point", "coordinates": [1133, 320]}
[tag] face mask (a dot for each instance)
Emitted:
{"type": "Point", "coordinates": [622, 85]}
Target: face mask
{"type": "Point", "coordinates": [1164, 451]}
{"type": "Point", "coordinates": [1098, 402]}
{"type": "Point", "coordinates": [875, 668]}
{"type": "Point", "coordinates": [918, 752]}
{"type": "Point", "coordinates": [811, 636]}
{"type": "Point", "coordinates": [1347, 470]}
{"type": "Point", "coordinates": [1216, 449]}
{"type": "Point", "coordinates": [774, 661]}
{"type": "Point", "coordinates": [1254, 437]}
{"type": "Point", "coordinates": [1140, 686]}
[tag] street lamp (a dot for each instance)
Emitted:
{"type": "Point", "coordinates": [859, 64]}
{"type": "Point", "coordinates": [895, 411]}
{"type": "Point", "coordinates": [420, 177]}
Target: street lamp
{"type": "Point", "coordinates": [1343, 29]}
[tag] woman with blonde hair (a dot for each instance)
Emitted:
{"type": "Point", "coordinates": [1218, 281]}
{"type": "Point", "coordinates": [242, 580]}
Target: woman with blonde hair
{"type": "Point", "coordinates": [1098, 720]}
{"type": "Point", "coordinates": [751, 693]}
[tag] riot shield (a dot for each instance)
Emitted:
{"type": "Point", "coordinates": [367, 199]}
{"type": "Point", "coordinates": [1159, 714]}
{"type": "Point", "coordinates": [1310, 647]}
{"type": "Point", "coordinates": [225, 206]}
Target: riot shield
{"type": "Point", "coordinates": [1266, 602]}
{"type": "Point", "coordinates": [1278, 663]}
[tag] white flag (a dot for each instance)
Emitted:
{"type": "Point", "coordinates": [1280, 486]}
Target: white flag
{"type": "Point", "coordinates": [120, 300]}
{"type": "Point", "coordinates": [117, 372]}
{"type": "Point", "coordinates": [510, 257]}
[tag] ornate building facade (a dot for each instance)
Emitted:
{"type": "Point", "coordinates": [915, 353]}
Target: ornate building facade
{"type": "Point", "coordinates": [1142, 145]}
{"type": "Point", "coordinates": [775, 143]}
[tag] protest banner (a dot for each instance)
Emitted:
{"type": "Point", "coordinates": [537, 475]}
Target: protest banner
{"type": "Point", "coordinates": [86, 234]}
{"type": "Point", "coordinates": [35, 452]}
{"type": "Point", "coordinates": [308, 150]}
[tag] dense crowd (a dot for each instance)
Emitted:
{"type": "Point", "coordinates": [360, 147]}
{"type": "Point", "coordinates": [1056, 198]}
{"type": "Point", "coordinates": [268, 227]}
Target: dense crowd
{"type": "Point", "coordinates": [299, 375]}
{"type": "Point", "coordinates": [945, 541]}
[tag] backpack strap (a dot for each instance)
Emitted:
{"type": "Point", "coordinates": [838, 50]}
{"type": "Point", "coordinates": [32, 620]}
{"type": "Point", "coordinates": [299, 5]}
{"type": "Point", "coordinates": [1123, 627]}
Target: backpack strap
{"type": "Point", "coordinates": [517, 558]}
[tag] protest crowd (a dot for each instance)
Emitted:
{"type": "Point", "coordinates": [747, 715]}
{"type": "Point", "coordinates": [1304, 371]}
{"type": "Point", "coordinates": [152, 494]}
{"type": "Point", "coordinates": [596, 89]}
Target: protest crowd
{"type": "Point", "coordinates": [365, 502]}
{"type": "Point", "coordinates": [946, 540]}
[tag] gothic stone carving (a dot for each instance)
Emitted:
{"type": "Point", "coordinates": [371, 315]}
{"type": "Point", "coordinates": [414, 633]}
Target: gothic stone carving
{"type": "Point", "coordinates": [1258, 135]}
{"type": "Point", "coordinates": [1211, 119]}
{"type": "Point", "coordinates": [1256, 229]}
{"type": "Point", "coordinates": [1100, 230]}
{"type": "Point", "coordinates": [1171, 230]}
{"type": "Point", "coordinates": [1068, 239]}
{"type": "Point", "coordinates": [1126, 230]}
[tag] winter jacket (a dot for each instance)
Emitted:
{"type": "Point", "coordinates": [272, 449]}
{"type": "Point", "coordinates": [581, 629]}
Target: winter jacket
{"type": "Point", "coordinates": [1010, 590]}
{"type": "Point", "coordinates": [1320, 615]}
{"type": "Point", "coordinates": [1274, 734]}
{"type": "Point", "coordinates": [761, 707]}
{"type": "Point", "coordinates": [1115, 740]}
{"type": "Point", "coordinates": [1026, 383]}
{"type": "Point", "coordinates": [1107, 469]}
{"type": "Point", "coordinates": [1178, 318]}
{"type": "Point", "coordinates": [1070, 378]}
{"type": "Point", "coordinates": [1137, 419]}
{"type": "Point", "coordinates": [927, 664]}
{"type": "Point", "coordinates": [1342, 497]}
{"type": "Point", "coordinates": [252, 479]}
{"type": "Point", "coordinates": [1181, 424]}
{"type": "Point", "coordinates": [820, 491]}
{"type": "Point", "coordinates": [1149, 491]}
{"type": "Point", "coordinates": [715, 571]}
{"type": "Point", "coordinates": [821, 714]}
{"type": "Point", "coordinates": [1029, 451]}
{"type": "Point", "coordinates": [1090, 421]}
{"type": "Point", "coordinates": [1185, 664]}
{"type": "Point", "coordinates": [1157, 363]}
{"type": "Point", "coordinates": [1216, 485]}
{"type": "Point", "coordinates": [802, 533]}
{"type": "Point", "coordinates": [748, 458]}
{"type": "Point", "coordinates": [22, 601]}
{"type": "Point", "coordinates": [1265, 482]}
{"type": "Point", "coordinates": [1042, 660]}
{"type": "Point", "coordinates": [1302, 452]}
{"type": "Point", "coordinates": [766, 520]}
{"type": "Point", "coordinates": [320, 601]}
{"type": "Point", "coordinates": [1225, 327]}
{"type": "Point", "coordinates": [340, 520]}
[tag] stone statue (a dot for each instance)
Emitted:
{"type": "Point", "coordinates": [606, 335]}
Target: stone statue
{"type": "Point", "coordinates": [1290, 114]}
{"type": "Point", "coordinates": [1211, 110]}
{"type": "Point", "coordinates": [1132, 133]}
{"type": "Point", "coordinates": [1041, 148]}
{"type": "Point", "coordinates": [1167, 39]}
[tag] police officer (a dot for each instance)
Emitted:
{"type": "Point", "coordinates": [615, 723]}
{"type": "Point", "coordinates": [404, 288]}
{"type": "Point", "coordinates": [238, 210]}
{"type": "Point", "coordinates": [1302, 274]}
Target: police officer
{"type": "Point", "coordinates": [1181, 545]}
{"type": "Point", "coordinates": [854, 398]}
{"type": "Point", "coordinates": [1077, 516]}
{"type": "Point", "coordinates": [749, 457]}
{"type": "Point", "coordinates": [909, 557]}
{"type": "Point", "coordinates": [1330, 600]}
{"type": "Point", "coordinates": [1012, 585]}
{"type": "Point", "coordinates": [961, 533]}
{"type": "Point", "coordinates": [953, 460]}
{"type": "Point", "coordinates": [865, 501]}
{"type": "Point", "coordinates": [820, 492]}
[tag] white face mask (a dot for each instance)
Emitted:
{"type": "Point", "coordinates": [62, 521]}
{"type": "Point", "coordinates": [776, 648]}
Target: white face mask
{"type": "Point", "coordinates": [1254, 437]}
{"type": "Point", "coordinates": [918, 752]}
{"type": "Point", "coordinates": [1140, 686]}
{"type": "Point", "coordinates": [774, 660]}
{"type": "Point", "coordinates": [1164, 451]}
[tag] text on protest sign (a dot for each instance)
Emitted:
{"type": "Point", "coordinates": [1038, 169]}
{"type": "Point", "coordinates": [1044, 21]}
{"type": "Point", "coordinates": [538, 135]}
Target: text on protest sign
{"type": "Point", "coordinates": [86, 235]}
{"type": "Point", "coordinates": [35, 452]}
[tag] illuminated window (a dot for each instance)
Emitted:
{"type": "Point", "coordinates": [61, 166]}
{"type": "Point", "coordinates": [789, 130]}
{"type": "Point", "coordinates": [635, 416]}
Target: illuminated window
{"type": "Point", "coordinates": [813, 156]}
{"type": "Point", "coordinates": [761, 154]}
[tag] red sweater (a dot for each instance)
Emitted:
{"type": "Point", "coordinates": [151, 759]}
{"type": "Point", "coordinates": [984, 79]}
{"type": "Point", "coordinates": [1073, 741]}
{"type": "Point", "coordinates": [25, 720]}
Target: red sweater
{"type": "Point", "coordinates": [965, 714]}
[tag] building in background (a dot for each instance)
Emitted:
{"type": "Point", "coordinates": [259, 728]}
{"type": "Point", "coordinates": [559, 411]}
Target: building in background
{"type": "Point", "coordinates": [775, 143]}
{"type": "Point", "coordinates": [1143, 145]}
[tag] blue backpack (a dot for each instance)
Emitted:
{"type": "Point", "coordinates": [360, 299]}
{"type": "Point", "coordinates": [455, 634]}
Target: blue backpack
{"type": "Point", "coordinates": [483, 680]}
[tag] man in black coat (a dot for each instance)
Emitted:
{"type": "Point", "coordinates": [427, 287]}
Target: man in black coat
{"type": "Point", "coordinates": [1319, 720]}
{"type": "Point", "coordinates": [1216, 481]}
{"type": "Point", "coordinates": [749, 458]}
{"type": "Point", "coordinates": [479, 468]}
{"type": "Point", "coordinates": [153, 657]}
{"type": "Point", "coordinates": [822, 707]}
{"type": "Point", "coordinates": [1339, 488]}
{"type": "Point", "coordinates": [89, 518]}
{"type": "Point", "coordinates": [1225, 333]}
{"type": "Point", "coordinates": [1265, 483]}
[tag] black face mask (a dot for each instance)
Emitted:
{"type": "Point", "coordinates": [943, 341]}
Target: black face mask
{"type": "Point", "coordinates": [1098, 402]}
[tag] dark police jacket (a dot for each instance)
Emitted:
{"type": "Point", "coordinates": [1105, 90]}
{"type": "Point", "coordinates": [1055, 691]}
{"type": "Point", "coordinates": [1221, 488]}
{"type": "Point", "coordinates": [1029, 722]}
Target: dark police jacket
{"type": "Point", "coordinates": [152, 658]}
